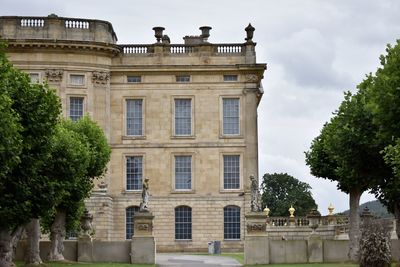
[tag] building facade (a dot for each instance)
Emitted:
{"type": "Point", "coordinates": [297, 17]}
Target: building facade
{"type": "Point", "coordinates": [182, 115]}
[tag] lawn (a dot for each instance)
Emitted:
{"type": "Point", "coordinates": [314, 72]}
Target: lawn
{"type": "Point", "coordinates": [81, 264]}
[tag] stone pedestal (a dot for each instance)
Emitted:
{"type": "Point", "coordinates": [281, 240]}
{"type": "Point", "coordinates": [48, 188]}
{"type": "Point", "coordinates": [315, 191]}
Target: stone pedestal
{"type": "Point", "coordinates": [256, 242]}
{"type": "Point", "coordinates": [85, 249]}
{"type": "Point", "coordinates": [143, 247]}
{"type": "Point", "coordinates": [315, 249]}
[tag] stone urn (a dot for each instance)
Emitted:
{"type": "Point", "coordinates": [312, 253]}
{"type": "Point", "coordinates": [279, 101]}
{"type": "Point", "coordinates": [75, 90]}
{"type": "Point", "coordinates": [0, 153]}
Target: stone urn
{"type": "Point", "coordinates": [86, 222]}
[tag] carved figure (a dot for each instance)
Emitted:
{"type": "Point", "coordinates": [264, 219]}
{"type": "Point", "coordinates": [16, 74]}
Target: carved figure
{"type": "Point", "coordinates": [255, 195]}
{"type": "Point", "coordinates": [144, 205]}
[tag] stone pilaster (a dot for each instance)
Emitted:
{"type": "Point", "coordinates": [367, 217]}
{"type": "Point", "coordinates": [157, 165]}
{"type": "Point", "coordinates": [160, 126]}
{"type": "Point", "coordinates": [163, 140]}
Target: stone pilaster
{"type": "Point", "coordinates": [256, 243]}
{"type": "Point", "coordinates": [143, 247]}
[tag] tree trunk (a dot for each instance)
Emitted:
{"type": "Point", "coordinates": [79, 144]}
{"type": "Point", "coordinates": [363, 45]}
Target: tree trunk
{"type": "Point", "coordinates": [396, 209]}
{"type": "Point", "coordinates": [57, 236]}
{"type": "Point", "coordinates": [8, 244]}
{"type": "Point", "coordinates": [32, 256]}
{"type": "Point", "coordinates": [354, 231]}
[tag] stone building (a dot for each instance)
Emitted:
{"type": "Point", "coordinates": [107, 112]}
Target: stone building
{"type": "Point", "coordinates": [182, 115]}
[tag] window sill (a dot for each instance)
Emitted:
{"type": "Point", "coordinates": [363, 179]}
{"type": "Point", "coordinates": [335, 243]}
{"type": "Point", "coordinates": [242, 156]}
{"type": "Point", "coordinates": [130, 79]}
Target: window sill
{"type": "Point", "coordinates": [183, 192]}
{"type": "Point", "coordinates": [183, 240]}
{"type": "Point", "coordinates": [183, 137]}
{"type": "Point", "coordinates": [233, 136]}
{"type": "Point", "coordinates": [77, 86]}
{"type": "Point", "coordinates": [133, 137]}
{"type": "Point", "coordinates": [232, 240]}
{"type": "Point", "coordinates": [230, 191]}
{"type": "Point", "coordinates": [128, 192]}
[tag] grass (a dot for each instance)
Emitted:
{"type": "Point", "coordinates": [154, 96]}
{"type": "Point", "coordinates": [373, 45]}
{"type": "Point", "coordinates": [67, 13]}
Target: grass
{"type": "Point", "coordinates": [82, 264]}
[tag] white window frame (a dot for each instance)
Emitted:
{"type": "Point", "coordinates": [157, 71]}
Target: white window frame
{"type": "Point", "coordinates": [222, 186]}
{"type": "Point", "coordinates": [125, 174]}
{"type": "Point", "coordinates": [68, 115]}
{"type": "Point", "coordinates": [241, 108]}
{"type": "Point", "coordinates": [192, 103]}
{"type": "Point", "coordinates": [70, 83]}
{"type": "Point", "coordinates": [126, 117]}
{"type": "Point", "coordinates": [173, 172]}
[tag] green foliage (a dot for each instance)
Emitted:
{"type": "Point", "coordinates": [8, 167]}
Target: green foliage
{"type": "Point", "coordinates": [80, 153]}
{"type": "Point", "coordinates": [280, 191]}
{"type": "Point", "coordinates": [346, 151]}
{"type": "Point", "coordinates": [375, 245]}
{"type": "Point", "coordinates": [29, 113]}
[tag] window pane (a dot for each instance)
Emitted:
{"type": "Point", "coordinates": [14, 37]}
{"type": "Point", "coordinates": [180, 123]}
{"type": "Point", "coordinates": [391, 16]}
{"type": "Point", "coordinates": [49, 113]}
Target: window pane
{"type": "Point", "coordinates": [134, 117]}
{"type": "Point", "coordinates": [183, 79]}
{"type": "Point", "coordinates": [75, 108]}
{"type": "Point", "coordinates": [134, 173]}
{"type": "Point", "coordinates": [129, 212]}
{"type": "Point", "coordinates": [231, 171]}
{"type": "Point", "coordinates": [76, 79]}
{"type": "Point", "coordinates": [231, 222]}
{"type": "Point", "coordinates": [230, 78]}
{"type": "Point", "coordinates": [34, 77]}
{"type": "Point", "coordinates": [231, 116]}
{"type": "Point", "coordinates": [183, 172]}
{"type": "Point", "coordinates": [134, 79]}
{"type": "Point", "coordinates": [183, 222]}
{"type": "Point", "coordinates": [183, 116]}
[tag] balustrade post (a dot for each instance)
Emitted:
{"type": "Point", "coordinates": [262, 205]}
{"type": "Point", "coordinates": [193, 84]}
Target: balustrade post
{"type": "Point", "coordinates": [256, 242]}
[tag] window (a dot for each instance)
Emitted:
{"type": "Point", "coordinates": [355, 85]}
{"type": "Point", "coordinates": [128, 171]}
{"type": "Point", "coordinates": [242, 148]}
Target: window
{"type": "Point", "coordinates": [182, 78]}
{"type": "Point", "coordinates": [183, 117]}
{"type": "Point", "coordinates": [129, 212]}
{"type": "Point", "coordinates": [77, 79]}
{"type": "Point", "coordinates": [183, 172]}
{"type": "Point", "coordinates": [183, 223]}
{"type": "Point", "coordinates": [134, 172]}
{"type": "Point", "coordinates": [230, 78]}
{"type": "Point", "coordinates": [75, 108]}
{"type": "Point", "coordinates": [134, 79]}
{"type": "Point", "coordinates": [231, 116]}
{"type": "Point", "coordinates": [231, 222]}
{"type": "Point", "coordinates": [134, 117]}
{"type": "Point", "coordinates": [231, 172]}
{"type": "Point", "coordinates": [35, 77]}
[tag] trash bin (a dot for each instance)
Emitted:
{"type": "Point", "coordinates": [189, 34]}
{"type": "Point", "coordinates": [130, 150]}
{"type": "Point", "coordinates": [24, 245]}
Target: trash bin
{"type": "Point", "coordinates": [211, 247]}
{"type": "Point", "coordinates": [214, 247]}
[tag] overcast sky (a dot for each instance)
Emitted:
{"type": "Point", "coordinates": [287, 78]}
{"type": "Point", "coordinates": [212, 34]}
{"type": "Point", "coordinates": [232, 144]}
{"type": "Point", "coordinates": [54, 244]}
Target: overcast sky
{"type": "Point", "coordinates": [315, 50]}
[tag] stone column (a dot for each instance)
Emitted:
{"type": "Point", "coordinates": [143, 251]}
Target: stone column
{"type": "Point", "coordinates": [143, 246]}
{"type": "Point", "coordinates": [256, 242]}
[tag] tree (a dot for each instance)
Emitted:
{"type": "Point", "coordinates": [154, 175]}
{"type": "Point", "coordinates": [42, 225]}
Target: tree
{"type": "Point", "coordinates": [80, 153]}
{"type": "Point", "coordinates": [25, 192]}
{"type": "Point", "coordinates": [346, 151]}
{"type": "Point", "coordinates": [281, 190]}
{"type": "Point", "coordinates": [384, 88]}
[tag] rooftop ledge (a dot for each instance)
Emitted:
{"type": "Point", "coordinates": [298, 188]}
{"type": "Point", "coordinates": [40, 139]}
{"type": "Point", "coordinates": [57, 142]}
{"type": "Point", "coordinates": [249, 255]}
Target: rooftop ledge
{"type": "Point", "coordinates": [61, 31]}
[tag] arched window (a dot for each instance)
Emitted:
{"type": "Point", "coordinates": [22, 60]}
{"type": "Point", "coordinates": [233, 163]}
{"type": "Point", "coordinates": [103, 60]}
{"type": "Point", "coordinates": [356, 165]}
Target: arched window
{"type": "Point", "coordinates": [183, 223]}
{"type": "Point", "coordinates": [231, 222]}
{"type": "Point", "coordinates": [129, 212]}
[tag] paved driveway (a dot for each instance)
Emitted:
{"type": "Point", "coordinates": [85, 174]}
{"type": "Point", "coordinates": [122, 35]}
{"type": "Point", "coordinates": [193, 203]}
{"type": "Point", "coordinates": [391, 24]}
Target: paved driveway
{"type": "Point", "coordinates": [184, 260]}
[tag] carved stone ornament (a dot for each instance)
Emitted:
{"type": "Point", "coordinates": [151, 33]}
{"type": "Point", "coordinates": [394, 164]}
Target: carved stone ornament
{"type": "Point", "coordinates": [54, 75]}
{"type": "Point", "coordinates": [256, 227]}
{"type": "Point", "coordinates": [251, 78]}
{"type": "Point", "coordinates": [144, 227]}
{"type": "Point", "coordinates": [100, 77]}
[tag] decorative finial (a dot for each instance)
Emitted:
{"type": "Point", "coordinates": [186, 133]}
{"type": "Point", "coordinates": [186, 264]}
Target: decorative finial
{"type": "Point", "coordinates": [158, 33]}
{"type": "Point", "coordinates": [266, 211]}
{"type": "Point", "coordinates": [291, 211]}
{"type": "Point", "coordinates": [331, 208]}
{"type": "Point", "coordinates": [205, 32]}
{"type": "Point", "coordinates": [250, 32]}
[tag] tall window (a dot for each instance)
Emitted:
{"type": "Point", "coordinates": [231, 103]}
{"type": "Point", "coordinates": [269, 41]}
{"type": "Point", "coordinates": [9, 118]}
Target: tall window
{"type": "Point", "coordinates": [231, 116]}
{"type": "Point", "coordinates": [183, 223]}
{"type": "Point", "coordinates": [75, 108]}
{"type": "Point", "coordinates": [129, 212]}
{"type": "Point", "coordinates": [231, 171]}
{"type": "Point", "coordinates": [134, 172]}
{"type": "Point", "coordinates": [183, 172]}
{"type": "Point", "coordinates": [231, 222]}
{"type": "Point", "coordinates": [183, 117]}
{"type": "Point", "coordinates": [134, 117]}
{"type": "Point", "coordinates": [77, 79]}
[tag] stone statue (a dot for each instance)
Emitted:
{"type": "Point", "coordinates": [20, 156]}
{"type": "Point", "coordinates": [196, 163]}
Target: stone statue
{"type": "Point", "coordinates": [255, 195]}
{"type": "Point", "coordinates": [144, 205]}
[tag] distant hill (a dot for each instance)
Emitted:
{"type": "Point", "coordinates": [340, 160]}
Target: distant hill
{"type": "Point", "coordinates": [375, 208]}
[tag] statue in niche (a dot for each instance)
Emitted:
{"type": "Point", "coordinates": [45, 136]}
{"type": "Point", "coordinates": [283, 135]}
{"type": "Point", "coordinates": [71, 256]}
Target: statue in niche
{"type": "Point", "coordinates": [255, 195]}
{"type": "Point", "coordinates": [144, 205]}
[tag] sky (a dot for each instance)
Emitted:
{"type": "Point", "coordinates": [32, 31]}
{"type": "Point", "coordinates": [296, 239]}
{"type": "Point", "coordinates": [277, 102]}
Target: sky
{"type": "Point", "coordinates": [314, 50]}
